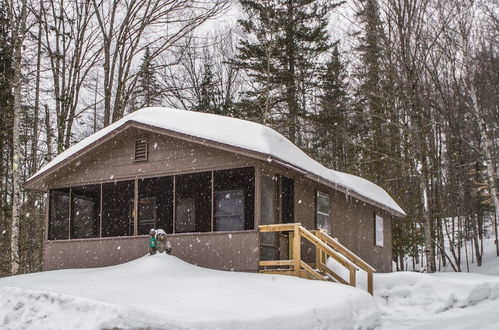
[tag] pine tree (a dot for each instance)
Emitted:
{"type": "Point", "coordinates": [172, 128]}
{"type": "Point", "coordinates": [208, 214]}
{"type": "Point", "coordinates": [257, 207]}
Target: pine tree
{"type": "Point", "coordinates": [206, 97]}
{"type": "Point", "coordinates": [148, 92]}
{"type": "Point", "coordinates": [331, 125]}
{"type": "Point", "coordinates": [281, 57]}
{"type": "Point", "coordinates": [372, 102]}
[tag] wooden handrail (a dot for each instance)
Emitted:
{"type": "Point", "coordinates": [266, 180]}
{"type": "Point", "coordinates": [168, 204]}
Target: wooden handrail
{"type": "Point", "coordinates": [352, 257]}
{"type": "Point", "coordinates": [278, 227]}
{"type": "Point", "coordinates": [332, 253]}
{"type": "Point", "coordinates": [344, 251]}
{"type": "Point", "coordinates": [267, 263]}
{"type": "Point", "coordinates": [311, 271]}
{"type": "Point", "coordinates": [326, 246]}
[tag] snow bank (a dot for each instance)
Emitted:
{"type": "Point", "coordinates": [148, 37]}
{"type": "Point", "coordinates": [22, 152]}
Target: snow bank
{"type": "Point", "coordinates": [433, 293]}
{"type": "Point", "coordinates": [437, 301]}
{"type": "Point", "coordinates": [31, 309]}
{"type": "Point", "coordinates": [238, 133]}
{"type": "Point", "coordinates": [161, 291]}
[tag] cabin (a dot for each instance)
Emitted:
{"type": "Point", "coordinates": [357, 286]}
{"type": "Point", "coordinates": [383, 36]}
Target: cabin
{"type": "Point", "coordinates": [231, 195]}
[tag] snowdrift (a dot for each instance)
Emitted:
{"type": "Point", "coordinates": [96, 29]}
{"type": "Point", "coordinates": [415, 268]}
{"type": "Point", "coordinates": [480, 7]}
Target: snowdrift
{"type": "Point", "coordinates": [164, 292]}
{"type": "Point", "coordinates": [437, 292]}
{"type": "Point", "coordinates": [410, 300]}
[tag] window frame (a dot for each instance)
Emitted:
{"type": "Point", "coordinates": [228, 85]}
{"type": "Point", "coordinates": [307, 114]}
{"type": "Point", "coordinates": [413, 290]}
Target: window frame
{"type": "Point", "coordinates": [376, 238]}
{"type": "Point", "coordinates": [319, 193]}
{"type": "Point", "coordinates": [241, 214]}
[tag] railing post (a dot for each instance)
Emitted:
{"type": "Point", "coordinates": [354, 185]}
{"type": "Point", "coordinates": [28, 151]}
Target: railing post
{"type": "Point", "coordinates": [318, 253]}
{"type": "Point", "coordinates": [297, 250]}
{"type": "Point", "coordinates": [370, 282]}
{"type": "Point", "coordinates": [353, 277]}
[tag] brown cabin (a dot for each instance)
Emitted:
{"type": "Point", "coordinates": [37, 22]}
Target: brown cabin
{"type": "Point", "coordinates": [211, 183]}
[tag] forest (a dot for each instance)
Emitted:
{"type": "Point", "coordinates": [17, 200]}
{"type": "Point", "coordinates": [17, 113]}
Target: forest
{"type": "Point", "coordinates": [403, 93]}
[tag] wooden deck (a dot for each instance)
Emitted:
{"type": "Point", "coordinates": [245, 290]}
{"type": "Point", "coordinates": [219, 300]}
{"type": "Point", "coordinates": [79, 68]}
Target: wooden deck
{"type": "Point", "coordinates": [325, 247]}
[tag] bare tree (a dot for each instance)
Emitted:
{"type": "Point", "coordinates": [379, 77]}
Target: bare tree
{"type": "Point", "coordinates": [18, 13]}
{"type": "Point", "coordinates": [128, 27]}
{"type": "Point", "coordinates": [71, 41]}
{"type": "Point", "coordinates": [200, 75]}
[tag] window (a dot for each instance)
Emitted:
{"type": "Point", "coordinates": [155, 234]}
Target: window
{"type": "Point", "coordinates": [59, 214]}
{"type": "Point", "coordinates": [155, 204]}
{"type": "Point", "coordinates": [287, 199]}
{"type": "Point", "coordinates": [117, 208]}
{"type": "Point", "coordinates": [186, 215]}
{"type": "Point", "coordinates": [141, 149]}
{"type": "Point", "coordinates": [229, 210]}
{"type": "Point", "coordinates": [323, 211]}
{"type": "Point", "coordinates": [85, 211]}
{"type": "Point", "coordinates": [193, 202]}
{"type": "Point", "coordinates": [378, 230]}
{"type": "Point", "coordinates": [147, 215]}
{"type": "Point", "coordinates": [234, 195]}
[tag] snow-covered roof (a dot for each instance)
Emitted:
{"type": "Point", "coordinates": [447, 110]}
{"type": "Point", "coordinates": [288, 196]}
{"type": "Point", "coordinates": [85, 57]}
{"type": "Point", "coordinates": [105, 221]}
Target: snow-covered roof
{"type": "Point", "coordinates": [242, 134]}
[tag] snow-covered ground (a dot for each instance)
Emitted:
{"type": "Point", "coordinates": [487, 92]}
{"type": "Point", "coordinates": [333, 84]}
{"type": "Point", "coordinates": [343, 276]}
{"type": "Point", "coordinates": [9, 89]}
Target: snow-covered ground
{"type": "Point", "coordinates": [444, 300]}
{"type": "Point", "coordinates": [163, 292]}
{"type": "Point", "coordinates": [410, 300]}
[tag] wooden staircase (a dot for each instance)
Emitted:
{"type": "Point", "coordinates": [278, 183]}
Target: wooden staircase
{"type": "Point", "coordinates": [325, 247]}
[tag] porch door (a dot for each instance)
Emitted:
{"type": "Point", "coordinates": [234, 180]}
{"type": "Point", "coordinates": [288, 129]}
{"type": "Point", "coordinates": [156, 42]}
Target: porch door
{"type": "Point", "coordinates": [269, 242]}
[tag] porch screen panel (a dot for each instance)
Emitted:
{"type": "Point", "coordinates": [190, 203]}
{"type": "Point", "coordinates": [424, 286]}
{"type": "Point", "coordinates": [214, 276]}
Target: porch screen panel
{"type": "Point", "coordinates": [85, 215]}
{"type": "Point", "coordinates": [287, 199]}
{"type": "Point", "coordinates": [268, 241]}
{"type": "Point", "coordinates": [59, 214]}
{"type": "Point", "coordinates": [193, 202]}
{"type": "Point", "coordinates": [117, 208]}
{"type": "Point", "coordinates": [234, 194]}
{"type": "Point", "coordinates": [155, 204]}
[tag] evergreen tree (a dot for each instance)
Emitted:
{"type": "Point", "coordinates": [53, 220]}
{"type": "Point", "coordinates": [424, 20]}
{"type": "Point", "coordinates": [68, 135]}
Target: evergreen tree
{"type": "Point", "coordinates": [371, 98]}
{"type": "Point", "coordinates": [281, 57]}
{"type": "Point", "coordinates": [148, 92]}
{"type": "Point", "coordinates": [331, 124]}
{"type": "Point", "coordinates": [206, 97]}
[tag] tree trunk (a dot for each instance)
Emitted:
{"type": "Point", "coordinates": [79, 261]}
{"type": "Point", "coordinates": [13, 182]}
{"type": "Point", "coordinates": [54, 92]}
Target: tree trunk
{"type": "Point", "coordinates": [16, 160]}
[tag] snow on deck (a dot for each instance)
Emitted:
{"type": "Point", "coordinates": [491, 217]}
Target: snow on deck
{"type": "Point", "coordinates": [238, 133]}
{"type": "Point", "coordinates": [164, 292]}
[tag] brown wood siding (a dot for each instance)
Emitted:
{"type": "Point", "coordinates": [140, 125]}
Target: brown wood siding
{"type": "Point", "coordinates": [114, 160]}
{"type": "Point", "coordinates": [238, 251]}
{"type": "Point", "coordinates": [352, 223]}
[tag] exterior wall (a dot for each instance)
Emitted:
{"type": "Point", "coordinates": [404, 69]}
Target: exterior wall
{"type": "Point", "coordinates": [352, 220]}
{"type": "Point", "coordinates": [352, 223]}
{"type": "Point", "coordinates": [238, 251]}
{"type": "Point", "coordinates": [114, 160]}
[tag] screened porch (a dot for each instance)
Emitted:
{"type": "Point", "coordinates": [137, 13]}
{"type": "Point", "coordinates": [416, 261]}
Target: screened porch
{"type": "Point", "coordinates": [203, 202]}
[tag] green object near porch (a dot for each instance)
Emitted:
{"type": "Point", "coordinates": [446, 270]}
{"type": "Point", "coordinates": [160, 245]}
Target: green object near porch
{"type": "Point", "coordinates": [152, 242]}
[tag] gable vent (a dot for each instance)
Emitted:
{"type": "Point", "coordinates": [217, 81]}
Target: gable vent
{"type": "Point", "coordinates": [141, 149]}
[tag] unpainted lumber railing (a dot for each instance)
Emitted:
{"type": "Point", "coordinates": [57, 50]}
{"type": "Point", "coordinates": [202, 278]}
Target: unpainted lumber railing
{"type": "Point", "coordinates": [326, 247]}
